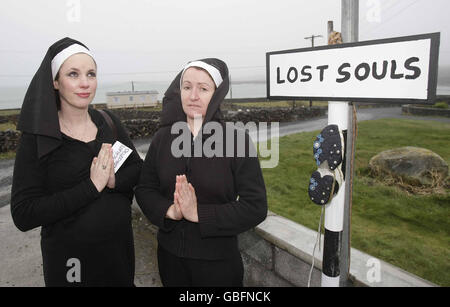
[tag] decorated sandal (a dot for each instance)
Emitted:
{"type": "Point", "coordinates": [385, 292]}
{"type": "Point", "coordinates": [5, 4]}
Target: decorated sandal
{"type": "Point", "coordinates": [328, 153]}
{"type": "Point", "coordinates": [328, 147]}
{"type": "Point", "coordinates": [323, 185]}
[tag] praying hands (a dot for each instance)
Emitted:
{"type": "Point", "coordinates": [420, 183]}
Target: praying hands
{"type": "Point", "coordinates": [185, 201]}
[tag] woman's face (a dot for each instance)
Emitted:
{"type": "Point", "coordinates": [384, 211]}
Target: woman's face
{"type": "Point", "coordinates": [77, 82]}
{"type": "Point", "coordinates": [197, 89]}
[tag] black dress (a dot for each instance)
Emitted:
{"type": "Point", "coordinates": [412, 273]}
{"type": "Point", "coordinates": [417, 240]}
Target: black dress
{"type": "Point", "coordinates": [230, 191]}
{"type": "Point", "coordinates": [77, 221]}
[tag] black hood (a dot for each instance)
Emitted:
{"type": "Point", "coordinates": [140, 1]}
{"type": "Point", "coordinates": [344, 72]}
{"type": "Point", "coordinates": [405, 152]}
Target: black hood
{"type": "Point", "coordinates": [172, 110]}
{"type": "Point", "coordinates": [39, 113]}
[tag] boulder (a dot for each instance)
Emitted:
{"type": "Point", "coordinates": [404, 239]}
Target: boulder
{"type": "Point", "coordinates": [416, 166]}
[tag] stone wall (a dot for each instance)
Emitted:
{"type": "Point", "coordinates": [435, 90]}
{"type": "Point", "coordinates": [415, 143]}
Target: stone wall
{"type": "Point", "coordinates": [9, 140]}
{"type": "Point", "coordinates": [236, 115]}
{"type": "Point", "coordinates": [424, 111]}
{"type": "Point", "coordinates": [144, 124]}
{"type": "Point", "coordinates": [128, 114]}
{"type": "Point", "coordinates": [141, 128]}
{"type": "Point", "coordinates": [280, 115]}
{"type": "Point", "coordinates": [267, 265]}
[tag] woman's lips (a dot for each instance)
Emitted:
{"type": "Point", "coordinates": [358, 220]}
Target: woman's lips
{"type": "Point", "coordinates": [84, 95]}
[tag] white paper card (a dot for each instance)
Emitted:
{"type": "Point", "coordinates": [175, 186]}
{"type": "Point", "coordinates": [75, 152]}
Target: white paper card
{"type": "Point", "coordinates": [120, 154]}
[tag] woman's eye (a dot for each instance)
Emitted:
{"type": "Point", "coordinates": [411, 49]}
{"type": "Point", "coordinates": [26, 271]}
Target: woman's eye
{"type": "Point", "coordinates": [73, 74]}
{"type": "Point", "coordinates": [186, 88]}
{"type": "Point", "coordinates": [92, 74]}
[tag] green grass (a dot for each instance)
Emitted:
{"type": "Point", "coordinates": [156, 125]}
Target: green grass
{"type": "Point", "coordinates": [7, 155]}
{"type": "Point", "coordinates": [441, 105]}
{"type": "Point", "coordinates": [7, 126]}
{"type": "Point", "coordinates": [9, 112]}
{"type": "Point", "coordinates": [409, 231]}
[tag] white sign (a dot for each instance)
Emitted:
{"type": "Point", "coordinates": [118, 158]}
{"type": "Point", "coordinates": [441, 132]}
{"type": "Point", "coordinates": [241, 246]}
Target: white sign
{"type": "Point", "coordinates": [400, 69]}
{"type": "Point", "coordinates": [120, 154]}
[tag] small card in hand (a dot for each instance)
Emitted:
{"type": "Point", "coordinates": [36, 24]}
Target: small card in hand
{"type": "Point", "coordinates": [120, 154]}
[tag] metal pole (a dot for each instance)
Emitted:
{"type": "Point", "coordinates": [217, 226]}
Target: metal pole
{"type": "Point", "coordinates": [231, 88]}
{"type": "Point", "coordinates": [350, 20]}
{"type": "Point", "coordinates": [350, 33]}
{"type": "Point", "coordinates": [312, 37]}
{"type": "Point", "coordinates": [339, 114]}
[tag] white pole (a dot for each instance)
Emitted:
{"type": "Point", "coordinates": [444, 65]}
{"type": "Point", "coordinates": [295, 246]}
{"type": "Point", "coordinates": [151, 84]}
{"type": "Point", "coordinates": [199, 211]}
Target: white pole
{"type": "Point", "coordinates": [338, 114]}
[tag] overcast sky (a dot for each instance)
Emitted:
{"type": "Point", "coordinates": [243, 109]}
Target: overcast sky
{"type": "Point", "coordinates": [151, 40]}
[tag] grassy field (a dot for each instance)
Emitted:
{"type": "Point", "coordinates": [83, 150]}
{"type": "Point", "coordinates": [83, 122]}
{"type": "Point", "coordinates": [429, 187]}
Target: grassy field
{"type": "Point", "coordinates": [409, 231]}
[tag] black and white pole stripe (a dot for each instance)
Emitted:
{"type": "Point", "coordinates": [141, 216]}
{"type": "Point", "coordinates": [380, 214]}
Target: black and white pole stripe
{"type": "Point", "coordinates": [334, 211]}
{"type": "Point", "coordinates": [338, 114]}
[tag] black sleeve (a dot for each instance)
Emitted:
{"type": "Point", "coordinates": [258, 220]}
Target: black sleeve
{"type": "Point", "coordinates": [31, 205]}
{"type": "Point", "coordinates": [128, 175]}
{"type": "Point", "coordinates": [240, 215]}
{"type": "Point", "coordinates": [153, 204]}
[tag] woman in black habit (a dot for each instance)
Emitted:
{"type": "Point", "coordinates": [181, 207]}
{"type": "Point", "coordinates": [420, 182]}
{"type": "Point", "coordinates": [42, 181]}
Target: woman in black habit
{"type": "Point", "coordinates": [200, 202]}
{"type": "Point", "coordinates": [64, 178]}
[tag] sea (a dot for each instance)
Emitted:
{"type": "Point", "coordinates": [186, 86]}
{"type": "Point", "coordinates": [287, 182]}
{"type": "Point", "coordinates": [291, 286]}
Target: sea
{"type": "Point", "coordinates": [12, 97]}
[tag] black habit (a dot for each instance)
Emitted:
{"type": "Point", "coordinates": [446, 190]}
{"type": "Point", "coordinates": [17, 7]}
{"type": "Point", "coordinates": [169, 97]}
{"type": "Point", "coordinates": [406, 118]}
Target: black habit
{"type": "Point", "coordinates": [52, 188]}
{"type": "Point", "coordinates": [230, 191]}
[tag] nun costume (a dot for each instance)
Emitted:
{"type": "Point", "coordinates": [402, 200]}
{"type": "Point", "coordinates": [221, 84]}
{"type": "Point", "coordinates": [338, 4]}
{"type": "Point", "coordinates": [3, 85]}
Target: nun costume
{"type": "Point", "coordinates": [229, 190]}
{"type": "Point", "coordinates": [86, 234]}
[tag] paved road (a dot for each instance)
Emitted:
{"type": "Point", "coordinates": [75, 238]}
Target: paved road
{"type": "Point", "coordinates": [362, 115]}
{"type": "Point", "coordinates": [20, 254]}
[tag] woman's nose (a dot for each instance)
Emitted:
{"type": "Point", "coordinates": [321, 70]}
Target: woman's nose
{"type": "Point", "coordinates": [84, 82]}
{"type": "Point", "coordinates": [194, 94]}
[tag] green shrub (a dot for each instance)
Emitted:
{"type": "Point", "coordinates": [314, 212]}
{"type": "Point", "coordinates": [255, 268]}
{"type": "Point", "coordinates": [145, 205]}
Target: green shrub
{"type": "Point", "coordinates": [441, 105]}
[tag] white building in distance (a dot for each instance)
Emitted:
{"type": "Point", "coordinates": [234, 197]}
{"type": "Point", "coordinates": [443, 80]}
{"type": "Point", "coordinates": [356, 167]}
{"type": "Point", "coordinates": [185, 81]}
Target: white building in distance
{"type": "Point", "coordinates": [131, 99]}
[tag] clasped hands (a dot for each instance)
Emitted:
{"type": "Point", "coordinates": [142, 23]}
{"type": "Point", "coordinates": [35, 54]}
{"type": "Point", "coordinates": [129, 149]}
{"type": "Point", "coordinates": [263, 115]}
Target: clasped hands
{"type": "Point", "coordinates": [184, 201]}
{"type": "Point", "coordinates": [102, 169]}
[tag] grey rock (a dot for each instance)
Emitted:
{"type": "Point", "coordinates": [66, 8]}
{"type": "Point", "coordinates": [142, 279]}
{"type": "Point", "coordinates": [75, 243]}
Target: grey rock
{"type": "Point", "coordinates": [416, 166]}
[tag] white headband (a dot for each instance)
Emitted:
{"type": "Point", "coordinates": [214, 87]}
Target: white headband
{"type": "Point", "coordinates": [59, 59]}
{"type": "Point", "coordinates": [213, 72]}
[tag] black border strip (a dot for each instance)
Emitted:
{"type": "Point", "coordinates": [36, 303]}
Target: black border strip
{"type": "Point", "coordinates": [432, 73]}
{"type": "Point", "coordinates": [331, 253]}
